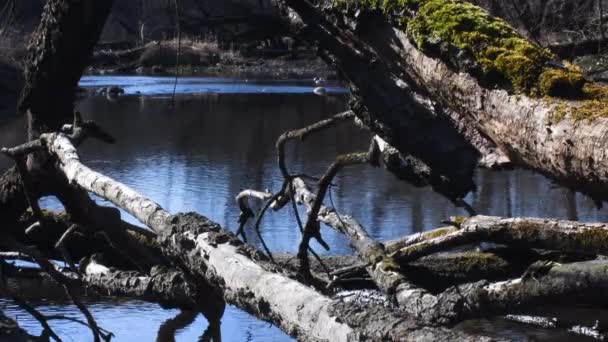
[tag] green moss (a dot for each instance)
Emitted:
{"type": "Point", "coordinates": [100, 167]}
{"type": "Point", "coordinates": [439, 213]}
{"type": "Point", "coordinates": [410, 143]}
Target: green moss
{"type": "Point", "coordinates": [435, 233]}
{"type": "Point", "coordinates": [459, 220]}
{"type": "Point", "coordinates": [504, 55]}
{"type": "Point", "coordinates": [567, 83]}
{"type": "Point", "coordinates": [389, 264]}
{"type": "Point", "coordinates": [592, 241]}
{"type": "Point", "coordinates": [558, 114]}
{"type": "Point", "coordinates": [594, 105]}
{"type": "Point", "coordinates": [505, 58]}
{"type": "Point", "coordinates": [473, 262]}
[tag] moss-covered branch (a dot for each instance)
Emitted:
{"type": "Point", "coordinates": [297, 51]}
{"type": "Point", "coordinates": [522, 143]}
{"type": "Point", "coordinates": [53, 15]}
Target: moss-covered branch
{"type": "Point", "coordinates": [468, 38]}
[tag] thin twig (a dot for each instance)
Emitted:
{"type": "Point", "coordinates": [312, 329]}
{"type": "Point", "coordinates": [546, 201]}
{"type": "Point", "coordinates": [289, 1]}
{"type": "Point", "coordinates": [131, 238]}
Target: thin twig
{"type": "Point", "coordinates": [28, 308]}
{"type": "Point", "coordinates": [300, 226]}
{"type": "Point", "coordinates": [60, 245]}
{"type": "Point", "coordinates": [68, 283]}
{"type": "Point", "coordinates": [260, 215]}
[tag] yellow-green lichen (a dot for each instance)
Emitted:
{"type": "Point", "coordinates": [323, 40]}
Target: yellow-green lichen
{"type": "Point", "coordinates": [435, 233]}
{"type": "Point", "coordinates": [592, 241]}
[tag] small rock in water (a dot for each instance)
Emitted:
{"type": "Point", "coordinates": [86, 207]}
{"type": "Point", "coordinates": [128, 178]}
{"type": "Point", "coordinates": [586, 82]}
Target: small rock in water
{"type": "Point", "coordinates": [321, 91]}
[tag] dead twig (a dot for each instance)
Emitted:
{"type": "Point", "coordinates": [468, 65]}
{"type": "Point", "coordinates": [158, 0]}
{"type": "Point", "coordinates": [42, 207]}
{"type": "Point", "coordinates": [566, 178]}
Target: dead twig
{"type": "Point", "coordinates": [69, 284]}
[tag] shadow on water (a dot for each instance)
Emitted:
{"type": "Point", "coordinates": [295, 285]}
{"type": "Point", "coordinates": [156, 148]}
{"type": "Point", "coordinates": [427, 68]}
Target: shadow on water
{"type": "Point", "coordinates": [171, 327]}
{"type": "Point", "coordinates": [211, 146]}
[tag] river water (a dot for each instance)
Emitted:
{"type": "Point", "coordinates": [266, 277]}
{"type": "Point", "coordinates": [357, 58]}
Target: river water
{"type": "Point", "coordinates": [216, 137]}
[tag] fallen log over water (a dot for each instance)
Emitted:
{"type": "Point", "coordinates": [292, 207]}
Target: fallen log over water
{"type": "Point", "coordinates": [584, 280]}
{"type": "Point", "coordinates": [417, 84]}
{"type": "Point", "coordinates": [237, 272]}
{"type": "Point", "coordinates": [233, 271]}
{"type": "Point", "coordinates": [566, 236]}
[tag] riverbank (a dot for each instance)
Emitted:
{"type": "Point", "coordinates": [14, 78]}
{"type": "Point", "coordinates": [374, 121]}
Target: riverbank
{"type": "Point", "coordinates": [199, 58]}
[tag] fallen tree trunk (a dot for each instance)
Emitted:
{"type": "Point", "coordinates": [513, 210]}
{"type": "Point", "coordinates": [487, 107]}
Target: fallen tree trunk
{"type": "Point", "coordinates": [412, 79]}
{"type": "Point", "coordinates": [243, 276]}
{"type": "Point", "coordinates": [566, 236]}
{"type": "Point", "coordinates": [239, 273]}
{"type": "Point", "coordinates": [542, 281]}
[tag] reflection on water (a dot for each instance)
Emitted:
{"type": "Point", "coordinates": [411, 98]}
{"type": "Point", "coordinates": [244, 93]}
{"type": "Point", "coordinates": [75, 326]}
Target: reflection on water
{"type": "Point", "coordinates": [199, 155]}
{"type": "Point", "coordinates": [568, 315]}
{"type": "Point", "coordinates": [140, 321]}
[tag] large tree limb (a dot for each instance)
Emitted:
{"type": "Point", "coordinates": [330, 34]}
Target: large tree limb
{"type": "Point", "coordinates": [566, 236]}
{"type": "Point", "coordinates": [403, 115]}
{"type": "Point", "coordinates": [542, 281]}
{"type": "Point", "coordinates": [55, 65]}
{"type": "Point", "coordinates": [383, 269]}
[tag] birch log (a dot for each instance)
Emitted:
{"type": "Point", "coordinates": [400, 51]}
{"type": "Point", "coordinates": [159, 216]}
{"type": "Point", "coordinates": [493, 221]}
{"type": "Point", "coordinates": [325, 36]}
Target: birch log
{"type": "Point", "coordinates": [241, 274]}
{"type": "Point", "coordinates": [542, 281]}
{"type": "Point", "coordinates": [565, 236]}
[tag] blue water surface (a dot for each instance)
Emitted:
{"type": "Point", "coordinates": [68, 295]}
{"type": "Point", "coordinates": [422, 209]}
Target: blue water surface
{"type": "Point", "coordinates": [162, 85]}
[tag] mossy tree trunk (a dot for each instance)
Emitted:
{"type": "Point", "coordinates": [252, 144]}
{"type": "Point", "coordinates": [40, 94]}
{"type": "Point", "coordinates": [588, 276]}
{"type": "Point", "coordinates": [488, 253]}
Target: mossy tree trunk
{"type": "Point", "coordinates": [431, 73]}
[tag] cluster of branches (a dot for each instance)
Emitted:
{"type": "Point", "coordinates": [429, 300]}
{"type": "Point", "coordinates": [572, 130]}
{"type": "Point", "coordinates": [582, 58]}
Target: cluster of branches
{"type": "Point", "coordinates": [185, 260]}
{"type": "Point", "coordinates": [199, 257]}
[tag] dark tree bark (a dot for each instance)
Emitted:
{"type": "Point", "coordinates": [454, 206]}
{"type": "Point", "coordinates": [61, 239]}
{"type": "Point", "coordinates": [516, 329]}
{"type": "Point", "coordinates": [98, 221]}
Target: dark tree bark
{"type": "Point", "coordinates": [60, 50]}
